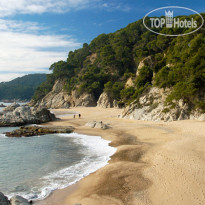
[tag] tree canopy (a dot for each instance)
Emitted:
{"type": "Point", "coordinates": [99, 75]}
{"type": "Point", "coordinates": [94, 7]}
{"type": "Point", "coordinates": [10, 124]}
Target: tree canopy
{"type": "Point", "coordinates": [178, 62]}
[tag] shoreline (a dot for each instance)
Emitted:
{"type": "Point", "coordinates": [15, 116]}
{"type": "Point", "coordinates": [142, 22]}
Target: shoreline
{"type": "Point", "coordinates": [132, 175]}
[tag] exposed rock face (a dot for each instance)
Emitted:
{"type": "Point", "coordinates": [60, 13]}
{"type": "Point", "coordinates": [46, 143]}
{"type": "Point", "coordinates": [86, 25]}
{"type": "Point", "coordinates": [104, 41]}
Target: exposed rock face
{"type": "Point", "coordinates": [58, 98]}
{"type": "Point", "coordinates": [152, 107]}
{"type": "Point", "coordinates": [86, 100]}
{"type": "Point", "coordinates": [169, 65]}
{"type": "Point", "coordinates": [18, 200]}
{"type": "Point", "coordinates": [92, 57]}
{"type": "Point", "coordinates": [105, 101]}
{"type": "Point", "coordinates": [37, 130]}
{"type": "Point", "coordinates": [11, 107]}
{"type": "Point", "coordinates": [4, 200]}
{"type": "Point", "coordinates": [195, 115]}
{"type": "Point", "coordinates": [129, 83]}
{"type": "Point", "coordinates": [95, 124]}
{"type": "Point", "coordinates": [25, 115]}
{"type": "Point", "coordinates": [145, 62]}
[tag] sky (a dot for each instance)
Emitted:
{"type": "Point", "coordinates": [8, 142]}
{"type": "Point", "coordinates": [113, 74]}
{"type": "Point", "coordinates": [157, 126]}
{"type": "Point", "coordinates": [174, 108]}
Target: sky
{"type": "Point", "coordinates": [36, 33]}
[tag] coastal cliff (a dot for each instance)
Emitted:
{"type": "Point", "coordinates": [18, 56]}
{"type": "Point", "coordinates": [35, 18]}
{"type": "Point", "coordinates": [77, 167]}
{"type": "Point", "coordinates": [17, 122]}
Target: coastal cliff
{"type": "Point", "coordinates": [59, 98]}
{"type": "Point", "coordinates": [153, 77]}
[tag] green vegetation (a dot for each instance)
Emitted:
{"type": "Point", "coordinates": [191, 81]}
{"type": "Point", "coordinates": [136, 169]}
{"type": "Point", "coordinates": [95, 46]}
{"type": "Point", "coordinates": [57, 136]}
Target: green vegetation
{"type": "Point", "coordinates": [21, 88]}
{"type": "Point", "coordinates": [177, 62]}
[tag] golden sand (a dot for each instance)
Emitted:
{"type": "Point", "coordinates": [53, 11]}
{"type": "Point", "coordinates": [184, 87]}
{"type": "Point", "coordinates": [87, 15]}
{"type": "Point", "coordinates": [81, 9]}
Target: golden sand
{"type": "Point", "coordinates": [156, 163]}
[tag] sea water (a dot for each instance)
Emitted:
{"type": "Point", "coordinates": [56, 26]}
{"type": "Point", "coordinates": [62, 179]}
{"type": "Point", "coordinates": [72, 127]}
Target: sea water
{"type": "Point", "coordinates": [35, 166]}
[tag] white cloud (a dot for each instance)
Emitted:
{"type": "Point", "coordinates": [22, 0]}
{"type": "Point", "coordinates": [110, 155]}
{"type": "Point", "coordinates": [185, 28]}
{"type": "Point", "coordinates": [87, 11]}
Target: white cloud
{"type": "Point", "coordinates": [23, 46]}
{"type": "Point", "coordinates": [20, 26]}
{"type": "Point", "coordinates": [113, 5]}
{"type": "Point", "coordinates": [12, 7]}
{"type": "Point", "coordinates": [24, 51]}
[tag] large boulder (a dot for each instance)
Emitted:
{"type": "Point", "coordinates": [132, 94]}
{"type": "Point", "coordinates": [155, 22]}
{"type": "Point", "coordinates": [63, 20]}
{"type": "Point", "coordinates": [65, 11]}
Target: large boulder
{"type": "Point", "coordinates": [25, 115]}
{"type": "Point", "coordinates": [96, 124]}
{"type": "Point", "coordinates": [4, 200]}
{"type": "Point", "coordinates": [18, 200]}
{"type": "Point", "coordinates": [44, 115]}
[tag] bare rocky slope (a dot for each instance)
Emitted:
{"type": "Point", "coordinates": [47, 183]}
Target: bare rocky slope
{"type": "Point", "coordinates": [152, 106]}
{"type": "Point", "coordinates": [59, 98]}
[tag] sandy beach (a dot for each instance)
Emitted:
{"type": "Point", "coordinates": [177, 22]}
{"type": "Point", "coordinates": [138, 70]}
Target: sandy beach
{"type": "Point", "coordinates": [155, 163]}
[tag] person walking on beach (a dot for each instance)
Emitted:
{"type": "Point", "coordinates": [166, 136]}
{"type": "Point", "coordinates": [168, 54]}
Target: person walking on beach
{"type": "Point", "coordinates": [79, 115]}
{"type": "Point", "coordinates": [73, 116]}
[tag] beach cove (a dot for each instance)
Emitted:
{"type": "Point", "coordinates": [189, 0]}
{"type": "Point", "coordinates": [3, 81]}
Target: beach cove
{"type": "Point", "coordinates": [155, 162]}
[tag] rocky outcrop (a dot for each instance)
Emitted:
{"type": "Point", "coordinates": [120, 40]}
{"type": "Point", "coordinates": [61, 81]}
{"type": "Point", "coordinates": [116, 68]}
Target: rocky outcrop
{"type": "Point", "coordinates": [11, 107]}
{"type": "Point", "coordinates": [85, 99]}
{"type": "Point", "coordinates": [58, 98]}
{"type": "Point", "coordinates": [152, 106]}
{"type": "Point", "coordinates": [15, 200]}
{"type": "Point", "coordinates": [129, 83]}
{"type": "Point", "coordinates": [18, 200]}
{"type": "Point", "coordinates": [95, 124]}
{"type": "Point", "coordinates": [4, 200]}
{"type": "Point", "coordinates": [23, 115]}
{"type": "Point", "coordinates": [92, 57]}
{"type": "Point", "coordinates": [145, 62]}
{"type": "Point", "coordinates": [30, 131]}
{"type": "Point", "coordinates": [105, 101]}
{"type": "Point", "coordinates": [196, 115]}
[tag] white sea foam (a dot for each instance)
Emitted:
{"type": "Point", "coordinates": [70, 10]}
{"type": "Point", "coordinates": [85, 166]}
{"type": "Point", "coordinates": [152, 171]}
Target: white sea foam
{"type": "Point", "coordinates": [97, 154]}
{"type": "Point", "coordinates": [2, 136]}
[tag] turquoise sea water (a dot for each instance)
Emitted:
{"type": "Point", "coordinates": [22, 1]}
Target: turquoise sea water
{"type": "Point", "coordinates": [33, 167]}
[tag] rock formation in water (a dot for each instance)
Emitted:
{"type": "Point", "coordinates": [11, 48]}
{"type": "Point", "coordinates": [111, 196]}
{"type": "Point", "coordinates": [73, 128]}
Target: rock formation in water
{"type": "Point", "coordinates": [4, 200]}
{"type": "Point", "coordinates": [16, 115]}
{"type": "Point", "coordinates": [15, 200]}
{"type": "Point", "coordinates": [18, 200]}
{"type": "Point", "coordinates": [30, 131]}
